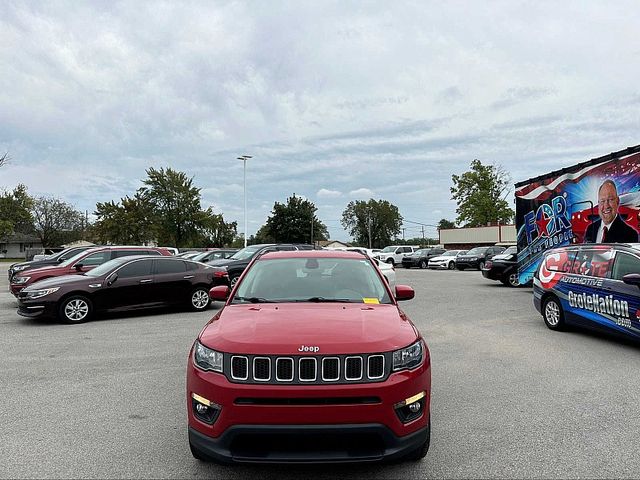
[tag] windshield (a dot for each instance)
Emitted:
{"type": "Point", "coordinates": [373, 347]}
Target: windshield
{"type": "Point", "coordinates": [246, 252]}
{"type": "Point", "coordinates": [388, 249]}
{"type": "Point", "coordinates": [477, 250]}
{"type": "Point", "coordinates": [312, 279]}
{"type": "Point", "coordinates": [72, 260]}
{"type": "Point", "coordinates": [511, 250]}
{"type": "Point", "coordinates": [422, 251]}
{"type": "Point", "coordinates": [450, 253]}
{"type": "Point", "coordinates": [199, 256]}
{"type": "Point", "coordinates": [104, 268]}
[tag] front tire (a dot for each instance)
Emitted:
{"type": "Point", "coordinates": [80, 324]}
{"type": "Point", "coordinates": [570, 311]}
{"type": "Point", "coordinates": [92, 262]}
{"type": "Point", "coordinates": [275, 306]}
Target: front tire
{"type": "Point", "coordinates": [199, 300]}
{"type": "Point", "coordinates": [451, 266]}
{"type": "Point", "coordinates": [75, 309]}
{"type": "Point", "coordinates": [233, 280]}
{"type": "Point", "coordinates": [552, 314]}
{"type": "Point", "coordinates": [480, 265]}
{"type": "Point", "coordinates": [513, 280]}
{"type": "Point", "coordinates": [423, 264]}
{"type": "Point", "coordinates": [390, 261]}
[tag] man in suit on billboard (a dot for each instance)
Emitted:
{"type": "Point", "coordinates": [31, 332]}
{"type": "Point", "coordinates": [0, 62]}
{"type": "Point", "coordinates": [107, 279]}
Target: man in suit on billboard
{"type": "Point", "coordinates": [611, 228]}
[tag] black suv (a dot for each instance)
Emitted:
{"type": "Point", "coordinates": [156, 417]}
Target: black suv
{"type": "Point", "coordinates": [477, 257]}
{"type": "Point", "coordinates": [236, 264]}
{"type": "Point", "coordinates": [54, 259]}
{"type": "Point", "coordinates": [420, 258]}
{"type": "Point", "coordinates": [503, 267]}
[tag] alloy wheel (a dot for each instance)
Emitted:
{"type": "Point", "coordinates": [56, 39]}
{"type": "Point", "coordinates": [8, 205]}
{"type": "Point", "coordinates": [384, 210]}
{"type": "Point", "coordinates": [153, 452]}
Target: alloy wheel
{"type": "Point", "coordinates": [76, 310]}
{"type": "Point", "coordinates": [200, 299]}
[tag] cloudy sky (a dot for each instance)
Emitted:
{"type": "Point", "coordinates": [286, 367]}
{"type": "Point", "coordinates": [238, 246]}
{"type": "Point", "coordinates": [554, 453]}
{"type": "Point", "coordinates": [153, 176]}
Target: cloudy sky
{"type": "Point", "coordinates": [336, 101]}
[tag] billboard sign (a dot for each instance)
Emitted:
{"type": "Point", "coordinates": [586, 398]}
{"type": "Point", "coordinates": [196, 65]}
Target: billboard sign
{"type": "Point", "coordinates": [593, 202]}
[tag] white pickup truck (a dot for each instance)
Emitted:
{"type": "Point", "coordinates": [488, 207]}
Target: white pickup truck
{"type": "Point", "coordinates": [393, 253]}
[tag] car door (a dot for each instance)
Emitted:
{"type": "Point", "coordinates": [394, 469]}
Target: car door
{"type": "Point", "coordinates": [90, 261]}
{"type": "Point", "coordinates": [129, 286]}
{"type": "Point", "coordinates": [172, 282]}
{"type": "Point", "coordinates": [586, 284]}
{"type": "Point", "coordinates": [625, 300]}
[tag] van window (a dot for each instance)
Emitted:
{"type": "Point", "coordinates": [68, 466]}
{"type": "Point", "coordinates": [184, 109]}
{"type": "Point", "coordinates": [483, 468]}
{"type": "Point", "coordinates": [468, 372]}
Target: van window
{"type": "Point", "coordinates": [623, 264]}
{"type": "Point", "coordinates": [592, 262]}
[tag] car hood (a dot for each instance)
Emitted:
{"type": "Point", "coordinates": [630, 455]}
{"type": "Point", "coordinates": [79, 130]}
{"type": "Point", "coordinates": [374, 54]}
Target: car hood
{"type": "Point", "coordinates": [50, 269]}
{"type": "Point", "coordinates": [440, 257]}
{"type": "Point", "coordinates": [501, 256]}
{"type": "Point", "coordinates": [335, 328]}
{"type": "Point", "coordinates": [222, 262]}
{"type": "Point", "coordinates": [61, 281]}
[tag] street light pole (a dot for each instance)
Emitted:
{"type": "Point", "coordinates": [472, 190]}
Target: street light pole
{"type": "Point", "coordinates": [244, 159]}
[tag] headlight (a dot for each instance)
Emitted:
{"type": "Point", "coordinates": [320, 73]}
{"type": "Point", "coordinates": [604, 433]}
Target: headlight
{"type": "Point", "coordinates": [207, 359]}
{"type": "Point", "coordinates": [19, 268]}
{"type": "Point", "coordinates": [41, 292]}
{"type": "Point", "coordinates": [20, 280]}
{"type": "Point", "coordinates": [408, 357]}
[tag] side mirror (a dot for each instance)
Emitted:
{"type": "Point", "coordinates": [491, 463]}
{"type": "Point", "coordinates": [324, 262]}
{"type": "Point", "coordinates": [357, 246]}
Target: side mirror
{"type": "Point", "coordinates": [219, 293]}
{"type": "Point", "coordinates": [60, 260]}
{"type": "Point", "coordinates": [632, 279]}
{"type": "Point", "coordinates": [404, 292]}
{"type": "Point", "coordinates": [111, 279]}
{"type": "Point", "coordinates": [78, 266]}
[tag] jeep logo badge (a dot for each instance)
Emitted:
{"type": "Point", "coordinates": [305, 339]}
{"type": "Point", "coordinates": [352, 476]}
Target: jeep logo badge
{"type": "Point", "coordinates": [304, 348]}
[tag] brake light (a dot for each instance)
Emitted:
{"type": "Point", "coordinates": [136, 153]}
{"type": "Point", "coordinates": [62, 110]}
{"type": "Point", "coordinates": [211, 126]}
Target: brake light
{"type": "Point", "coordinates": [220, 274]}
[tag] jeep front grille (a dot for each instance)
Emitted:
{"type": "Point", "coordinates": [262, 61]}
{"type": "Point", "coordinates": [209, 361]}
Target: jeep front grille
{"type": "Point", "coordinates": [307, 369]}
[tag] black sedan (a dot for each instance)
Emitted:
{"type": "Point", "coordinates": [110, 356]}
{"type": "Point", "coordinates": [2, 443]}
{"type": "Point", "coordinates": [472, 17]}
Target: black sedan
{"type": "Point", "coordinates": [125, 283]}
{"type": "Point", "coordinates": [420, 258]}
{"type": "Point", "coordinates": [503, 267]}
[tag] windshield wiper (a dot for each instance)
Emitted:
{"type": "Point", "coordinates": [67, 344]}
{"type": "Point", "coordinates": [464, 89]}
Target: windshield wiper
{"type": "Point", "coordinates": [328, 300]}
{"type": "Point", "coordinates": [253, 299]}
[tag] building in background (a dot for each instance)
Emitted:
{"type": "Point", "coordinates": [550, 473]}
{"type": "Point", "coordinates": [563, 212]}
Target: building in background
{"type": "Point", "coordinates": [466, 238]}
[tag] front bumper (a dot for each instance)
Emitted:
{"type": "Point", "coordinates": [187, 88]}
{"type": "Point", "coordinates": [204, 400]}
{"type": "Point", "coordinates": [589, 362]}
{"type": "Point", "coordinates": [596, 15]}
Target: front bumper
{"type": "Point", "coordinates": [467, 263]}
{"type": "Point", "coordinates": [306, 443]}
{"type": "Point", "coordinates": [36, 309]}
{"type": "Point", "coordinates": [16, 289]}
{"type": "Point", "coordinates": [283, 413]}
{"type": "Point", "coordinates": [438, 264]}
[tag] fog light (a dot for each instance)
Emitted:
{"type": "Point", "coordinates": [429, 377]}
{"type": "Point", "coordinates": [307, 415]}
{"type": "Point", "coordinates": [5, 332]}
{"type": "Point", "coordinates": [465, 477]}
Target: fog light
{"type": "Point", "coordinates": [204, 410]}
{"type": "Point", "coordinates": [410, 408]}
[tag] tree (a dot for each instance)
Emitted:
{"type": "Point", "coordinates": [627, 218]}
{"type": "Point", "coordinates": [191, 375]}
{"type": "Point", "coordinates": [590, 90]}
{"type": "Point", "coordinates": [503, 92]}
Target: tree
{"type": "Point", "coordinates": [444, 223]}
{"type": "Point", "coordinates": [373, 223]}
{"type": "Point", "coordinates": [176, 205]}
{"type": "Point", "coordinates": [128, 222]}
{"type": "Point", "coordinates": [15, 211]}
{"type": "Point", "coordinates": [295, 222]}
{"type": "Point", "coordinates": [4, 159]}
{"type": "Point", "coordinates": [56, 222]}
{"type": "Point", "coordinates": [480, 194]}
{"type": "Point", "coordinates": [215, 231]}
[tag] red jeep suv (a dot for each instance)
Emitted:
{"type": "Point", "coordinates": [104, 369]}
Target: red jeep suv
{"type": "Point", "coordinates": [82, 262]}
{"type": "Point", "coordinates": [309, 360]}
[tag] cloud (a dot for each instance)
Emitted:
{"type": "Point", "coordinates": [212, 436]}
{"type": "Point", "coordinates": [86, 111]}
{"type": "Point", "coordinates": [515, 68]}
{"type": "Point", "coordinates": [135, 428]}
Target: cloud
{"type": "Point", "coordinates": [325, 193]}
{"type": "Point", "coordinates": [361, 193]}
{"type": "Point", "coordinates": [334, 101]}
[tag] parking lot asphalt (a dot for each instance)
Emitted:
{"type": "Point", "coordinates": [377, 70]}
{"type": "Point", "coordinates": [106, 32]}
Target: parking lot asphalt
{"type": "Point", "coordinates": [106, 399]}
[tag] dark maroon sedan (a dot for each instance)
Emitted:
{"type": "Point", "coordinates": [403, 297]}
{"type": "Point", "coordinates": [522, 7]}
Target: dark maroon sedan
{"type": "Point", "coordinates": [125, 283]}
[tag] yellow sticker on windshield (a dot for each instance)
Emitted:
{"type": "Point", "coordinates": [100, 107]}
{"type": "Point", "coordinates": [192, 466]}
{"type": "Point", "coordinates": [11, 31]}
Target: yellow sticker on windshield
{"type": "Point", "coordinates": [370, 300]}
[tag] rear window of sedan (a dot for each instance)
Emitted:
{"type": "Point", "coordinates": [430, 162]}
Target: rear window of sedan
{"type": "Point", "coordinates": [312, 280]}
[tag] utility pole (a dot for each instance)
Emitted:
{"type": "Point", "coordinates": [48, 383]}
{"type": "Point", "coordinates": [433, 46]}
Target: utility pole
{"type": "Point", "coordinates": [312, 227]}
{"type": "Point", "coordinates": [423, 234]}
{"type": "Point", "coordinates": [244, 159]}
